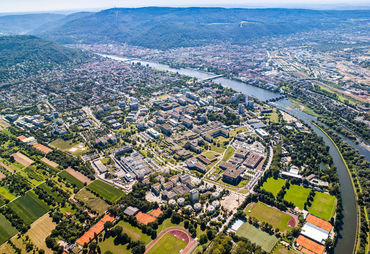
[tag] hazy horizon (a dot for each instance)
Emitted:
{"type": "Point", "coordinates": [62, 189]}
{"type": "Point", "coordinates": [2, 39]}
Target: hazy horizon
{"type": "Point", "coordinates": [31, 6]}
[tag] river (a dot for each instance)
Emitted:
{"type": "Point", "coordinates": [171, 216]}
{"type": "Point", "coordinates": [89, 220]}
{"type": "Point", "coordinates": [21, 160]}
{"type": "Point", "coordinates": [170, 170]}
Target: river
{"type": "Point", "coordinates": [347, 235]}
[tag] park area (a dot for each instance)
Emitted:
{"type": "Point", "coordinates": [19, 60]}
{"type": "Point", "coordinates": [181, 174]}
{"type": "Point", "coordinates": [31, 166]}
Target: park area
{"type": "Point", "coordinates": [271, 215]}
{"type": "Point", "coordinates": [257, 236]}
{"type": "Point", "coordinates": [106, 191]}
{"type": "Point", "coordinates": [93, 202]}
{"type": "Point", "coordinates": [29, 207]}
{"type": "Point", "coordinates": [68, 146]}
{"type": "Point", "coordinates": [6, 229]}
{"type": "Point", "coordinates": [323, 206]}
{"type": "Point", "coordinates": [273, 185]}
{"type": "Point", "coordinates": [297, 195]}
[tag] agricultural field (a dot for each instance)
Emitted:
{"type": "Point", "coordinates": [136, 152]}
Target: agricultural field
{"type": "Point", "coordinates": [11, 167]}
{"type": "Point", "coordinates": [273, 185]}
{"type": "Point", "coordinates": [30, 174]}
{"type": "Point", "coordinates": [56, 196]}
{"type": "Point", "coordinates": [79, 176]}
{"type": "Point", "coordinates": [105, 191]}
{"type": "Point", "coordinates": [6, 194]}
{"type": "Point", "coordinates": [71, 179]}
{"type": "Point", "coordinates": [297, 195]}
{"type": "Point", "coordinates": [6, 229]}
{"type": "Point", "coordinates": [272, 216]}
{"type": "Point", "coordinates": [323, 206]}
{"type": "Point", "coordinates": [93, 202]}
{"type": "Point", "coordinates": [29, 207]}
{"type": "Point", "coordinates": [68, 146]}
{"type": "Point", "coordinates": [39, 230]}
{"type": "Point", "coordinates": [257, 236]}
{"type": "Point", "coordinates": [22, 159]}
{"type": "Point", "coordinates": [169, 244]}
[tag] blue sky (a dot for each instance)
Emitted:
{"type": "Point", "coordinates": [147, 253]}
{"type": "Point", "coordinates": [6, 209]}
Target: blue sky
{"type": "Point", "coordinates": [47, 5]}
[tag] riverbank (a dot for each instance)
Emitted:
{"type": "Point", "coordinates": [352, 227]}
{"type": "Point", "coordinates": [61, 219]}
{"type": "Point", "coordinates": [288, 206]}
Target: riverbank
{"type": "Point", "coordinates": [347, 234]}
{"type": "Point", "coordinates": [355, 182]}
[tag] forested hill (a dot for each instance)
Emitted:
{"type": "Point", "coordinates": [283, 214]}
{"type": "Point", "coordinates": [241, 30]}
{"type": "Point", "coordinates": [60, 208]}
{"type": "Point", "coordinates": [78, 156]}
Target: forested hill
{"type": "Point", "coordinates": [26, 55]}
{"type": "Point", "coordinates": [158, 27]}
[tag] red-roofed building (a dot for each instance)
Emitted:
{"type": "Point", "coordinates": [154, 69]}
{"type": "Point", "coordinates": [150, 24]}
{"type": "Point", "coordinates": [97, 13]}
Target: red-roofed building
{"type": "Point", "coordinates": [308, 246]}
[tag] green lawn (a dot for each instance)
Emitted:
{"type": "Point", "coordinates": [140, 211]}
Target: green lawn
{"type": "Point", "coordinates": [237, 130]}
{"type": "Point", "coordinates": [108, 245]}
{"type": "Point", "coordinates": [133, 232]}
{"type": "Point", "coordinates": [273, 186]}
{"type": "Point", "coordinates": [257, 236]}
{"type": "Point", "coordinates": [168, 224]}
{"type": "Point", "coordinates": [273, 117]}
{"type": "Point", "coordinates": [68, 146]}
{"type": "Point", "coordinates": [168, 244]}
{"type": "Point", "coordinates": [217, 149]}
{"type": "Point", "coordinates": [106, 191]}
{"type": "Point", "coordinates": [29, 207]}
{"type": "Point", "coordinates": [280, 249]}
{"type": "Point", "coordinates": [6, 229]}
{"type": "Point", "coordinates": [93, 202]}
{"type": "Point", "coordinates": [71, 179]}
{"type": "Point", "coordinates": [272, 216]}
{"type": "Point", "coordinates": [297, 195]}
{"type": "Point", "coordinates": [323, 206]}
{"type": "Point", "coordinates": [210, 154]}
{"type": "Point", "coordinates": [228, 154]}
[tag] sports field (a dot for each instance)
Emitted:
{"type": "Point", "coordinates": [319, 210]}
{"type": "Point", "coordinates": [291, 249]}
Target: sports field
{"type": "Point", "coordinates": [71, 179]}
{"type": "Point", "coordinates": [273, 186]}
{"type": "Point", "coordinates": [39, 230]}
{"type": "Point", "coordinates": [6, 229]}
{"type": "Point", "coordinates": [297, 195]}
{"type": "Point", "coordinates": [323, 206]}
{"type": "Point", "coordinates": [106, 191]}
{"type": "Point", "coordinates": [272, 216]}
{"type": "Point", "coordinates": [257, 236]}
{"type": "Point", "coordinates": [29, 207]}
{"type": "Point", "coordinates": [168, 244]}
{"type": "Point", "coordinates": [95, 203]}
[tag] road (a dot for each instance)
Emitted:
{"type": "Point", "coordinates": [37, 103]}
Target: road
{"type": "Point", "coordinates": [91, 115]}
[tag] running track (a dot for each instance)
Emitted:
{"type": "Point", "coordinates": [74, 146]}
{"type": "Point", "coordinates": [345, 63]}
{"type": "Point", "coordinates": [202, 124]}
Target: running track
{"type": "Point", "coordinates": [180, 233]}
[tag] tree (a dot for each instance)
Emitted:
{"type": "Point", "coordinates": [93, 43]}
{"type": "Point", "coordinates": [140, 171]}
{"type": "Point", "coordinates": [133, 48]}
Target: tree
{"type": "Point", "coordinates": [138, 249]}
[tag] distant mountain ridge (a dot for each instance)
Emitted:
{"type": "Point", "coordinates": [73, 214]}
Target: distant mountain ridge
{"type": "Point", "coordinates": [165, 27]}
{"type": "Point", "coordinates": [25, 23]}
